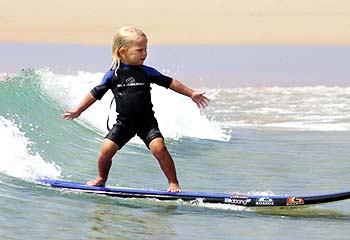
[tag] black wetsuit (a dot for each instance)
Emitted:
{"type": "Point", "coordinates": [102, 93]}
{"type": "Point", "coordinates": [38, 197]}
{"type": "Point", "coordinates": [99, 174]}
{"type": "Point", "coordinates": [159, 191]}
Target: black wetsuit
{"type": "Point", "coordinates": [132, 92]}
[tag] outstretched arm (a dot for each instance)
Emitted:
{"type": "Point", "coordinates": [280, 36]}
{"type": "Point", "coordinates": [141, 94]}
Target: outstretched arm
{"type": "Point", "coordinates": [74, 113]}
{"type": "Point", "coordinates": [197, 97]}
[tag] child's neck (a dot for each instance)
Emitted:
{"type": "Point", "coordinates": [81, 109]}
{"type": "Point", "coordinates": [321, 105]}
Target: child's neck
{"type": "Point", "coordinates": [130, 64]}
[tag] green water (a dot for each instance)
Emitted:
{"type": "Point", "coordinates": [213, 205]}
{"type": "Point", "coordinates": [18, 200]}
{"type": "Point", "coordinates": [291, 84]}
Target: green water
{"type": "Point", "coordinates": [254, 158]}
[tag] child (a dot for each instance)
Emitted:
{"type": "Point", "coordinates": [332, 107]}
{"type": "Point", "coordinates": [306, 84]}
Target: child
{"type": "Point", "coordinates": [130, 82]}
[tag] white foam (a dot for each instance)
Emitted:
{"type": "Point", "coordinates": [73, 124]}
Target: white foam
{"type": "Point", "coordinates": [4, 76]}
{"type": "Point", "coordinates": [177, 115]}
{"type": "Point", "coordinates": [317, 108]}
{"type": "Point", "coordinates": [16, 158]}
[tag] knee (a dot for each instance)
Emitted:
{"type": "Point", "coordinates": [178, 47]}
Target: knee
{"type": "Point", "coordinates": [158, 148]}
{"type": "Point", "coordinates": [108, 150]}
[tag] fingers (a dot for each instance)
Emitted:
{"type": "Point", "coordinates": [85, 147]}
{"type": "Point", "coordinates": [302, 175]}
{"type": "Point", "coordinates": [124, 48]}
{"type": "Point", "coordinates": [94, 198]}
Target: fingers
{"type": "Point", "coordinates": [68, 115]}
{"type": "Point", "coordinates": [202, 94]}
{"type": "Point", "coordinates": [201, 100]}
{"type": "Point", "coordinates": [202, 104]}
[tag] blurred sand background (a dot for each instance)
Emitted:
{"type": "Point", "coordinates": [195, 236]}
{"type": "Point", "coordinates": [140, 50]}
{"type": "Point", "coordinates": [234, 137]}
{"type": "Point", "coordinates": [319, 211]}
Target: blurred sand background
{"type": "Point", "coordinates": [311, 22]}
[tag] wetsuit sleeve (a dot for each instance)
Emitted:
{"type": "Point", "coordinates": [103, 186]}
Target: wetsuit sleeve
{"type": "Point", "coordinates": [156, 77]}
{"type": "Point", "coordinates": [100, 90]}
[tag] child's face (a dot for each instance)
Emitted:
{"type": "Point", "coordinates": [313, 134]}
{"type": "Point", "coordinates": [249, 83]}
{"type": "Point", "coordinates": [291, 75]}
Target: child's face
{"type": "Point", "coordinates": [135, 53]}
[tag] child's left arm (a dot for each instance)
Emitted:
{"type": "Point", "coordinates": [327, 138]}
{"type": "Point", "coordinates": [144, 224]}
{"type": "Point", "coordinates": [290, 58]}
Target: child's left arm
{"type": "Point", "coordinates": [197, 97]}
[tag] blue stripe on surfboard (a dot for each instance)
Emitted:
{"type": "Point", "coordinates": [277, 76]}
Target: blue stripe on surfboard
{"type": "Point", "coordinates": [83, 186]}
{"type": "Point", "coordinates": [234, 199]}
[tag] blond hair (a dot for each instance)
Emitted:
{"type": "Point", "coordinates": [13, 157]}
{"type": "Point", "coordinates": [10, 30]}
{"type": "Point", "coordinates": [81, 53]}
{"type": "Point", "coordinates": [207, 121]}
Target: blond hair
{"type": "Point", "coordinates": [123, 38]}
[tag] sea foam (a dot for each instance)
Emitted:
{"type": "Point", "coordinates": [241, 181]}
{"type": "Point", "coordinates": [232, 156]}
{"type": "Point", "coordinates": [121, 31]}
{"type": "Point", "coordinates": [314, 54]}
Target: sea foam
{"type": "Point", "coordinates": [17, 159]}
{"type": "Point", "coordinates": [177, 115]}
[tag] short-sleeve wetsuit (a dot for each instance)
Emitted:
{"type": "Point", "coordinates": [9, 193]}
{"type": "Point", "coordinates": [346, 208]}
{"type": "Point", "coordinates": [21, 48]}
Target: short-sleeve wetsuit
{"type": "Point", "coordinates": [132, 92]}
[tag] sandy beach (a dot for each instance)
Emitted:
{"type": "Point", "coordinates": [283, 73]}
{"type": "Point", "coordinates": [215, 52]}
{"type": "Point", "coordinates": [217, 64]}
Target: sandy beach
{"type": "Point", "coordinates": [177, 22]}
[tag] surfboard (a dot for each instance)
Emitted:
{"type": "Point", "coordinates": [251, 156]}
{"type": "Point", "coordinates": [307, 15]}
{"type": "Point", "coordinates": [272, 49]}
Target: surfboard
{"type": "Point", "coordinates": [223, 198]}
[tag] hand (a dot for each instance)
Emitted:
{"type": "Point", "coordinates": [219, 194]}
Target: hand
{"type": "Point", "coordinates": [70, 114]}
{"type": "Point", "coordinates": [199, 98]}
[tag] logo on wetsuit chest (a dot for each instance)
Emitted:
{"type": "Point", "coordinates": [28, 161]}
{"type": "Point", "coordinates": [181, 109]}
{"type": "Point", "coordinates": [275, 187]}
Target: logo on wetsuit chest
{"type": "Point", "coordinates": [130, 82]}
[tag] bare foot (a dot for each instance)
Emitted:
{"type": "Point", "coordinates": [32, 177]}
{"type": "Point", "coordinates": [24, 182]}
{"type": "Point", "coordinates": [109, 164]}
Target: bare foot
{"type": "Point", "coordinates": [174, 187]}
{"type": "Point", "coordinates": [98, 182]}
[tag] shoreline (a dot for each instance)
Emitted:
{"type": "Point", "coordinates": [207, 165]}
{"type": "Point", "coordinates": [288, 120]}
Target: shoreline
{"type": "Point", "coordinates": [182, 22]}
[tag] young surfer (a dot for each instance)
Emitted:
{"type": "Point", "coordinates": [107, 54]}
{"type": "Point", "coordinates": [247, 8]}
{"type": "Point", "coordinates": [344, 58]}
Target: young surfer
{"type": "Point", "coordinates": [130, 82]}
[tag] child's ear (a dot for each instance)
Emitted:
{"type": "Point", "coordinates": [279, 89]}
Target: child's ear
{"type": "Point", "coordinates": [122, 51]}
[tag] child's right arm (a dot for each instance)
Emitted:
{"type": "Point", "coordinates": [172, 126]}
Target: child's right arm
{"type": "Point", "coordinates": [74, 113]}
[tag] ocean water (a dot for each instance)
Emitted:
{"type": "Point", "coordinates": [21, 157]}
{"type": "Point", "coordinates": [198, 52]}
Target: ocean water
{"type": "Point", "coordinates": [250, 140]}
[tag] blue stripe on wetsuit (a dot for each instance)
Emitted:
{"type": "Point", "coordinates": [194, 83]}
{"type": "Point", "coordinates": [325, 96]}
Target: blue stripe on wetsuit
{"type": "Point", "coordinates": [151, 72]}
{"type": "Point", "coordinates": [107, 77]}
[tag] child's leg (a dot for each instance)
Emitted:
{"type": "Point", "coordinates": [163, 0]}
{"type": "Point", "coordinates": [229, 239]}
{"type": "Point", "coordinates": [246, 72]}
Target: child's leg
{"type": "Point", "coordinates": [108, 149]}
{"type": "Point", "coordinates": [166, 163]}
